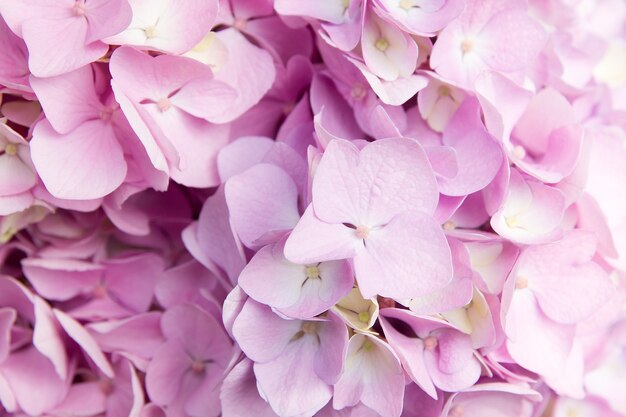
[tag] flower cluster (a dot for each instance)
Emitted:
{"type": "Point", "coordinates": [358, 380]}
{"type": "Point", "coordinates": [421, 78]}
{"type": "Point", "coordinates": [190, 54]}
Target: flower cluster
{"type": "Point", "coordinates": [304, 208]}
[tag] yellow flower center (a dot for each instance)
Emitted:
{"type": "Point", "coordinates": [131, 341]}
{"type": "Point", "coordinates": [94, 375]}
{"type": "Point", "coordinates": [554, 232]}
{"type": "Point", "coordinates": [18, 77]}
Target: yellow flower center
{"type": "Point", "coordinates": [406, 4]}
{"type": "Point", "coordinates": [11, 149]}
{"type": "Point", "coordinates": [367, 346]}
{"type": "Point", "coordinates": [312, 272]}
{"type": "Point", "coordinates": [382, 44]}
{"type": "Point", "coordinates": [364, 316]}
{"type": "Point", "coordinates": [150, 32]}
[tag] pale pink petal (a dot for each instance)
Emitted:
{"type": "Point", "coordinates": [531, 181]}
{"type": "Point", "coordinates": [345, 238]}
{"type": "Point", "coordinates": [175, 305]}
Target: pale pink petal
{"type": "Point", "coordinates": [479, 156]}
{"type": "Point", "coordinates": [57, 46]}
{"type": "Point", "coordinates": [511, 40]}
{"type": "Point", "coordinates": [216, 239]}
{"type": "Point", "coordinates": [261, 200]}
{"type": "Point", "coordinates": [329, 11]}
{"type": "Point", "coordinates": [371, 192]}
{"type": "Point", "coordinates": [305, 393]}
{"type": "Point", "coordinates": [243, 153]}
{"type": "Point", "coordinates": [47, 337]}
{"type": "Point", "coordinates": [396, 92]}
{"type": "Point", "coordinates": [164, 25]}
{"type": "Point", "coordinates": [207, 99]}
{"type": "Point", "coordinates": [410, 350]}
{"type": "Point", "coordinates": [261, 334]}
{"type": "Point", "coordinates": [333, 343]}
{"type": "Point", "coordinates": [19, 176]}
{"type": "Point", "coordinates": [410, 242]}
{"type": "Point", "coordinates": [547, 111]}
{"type": "Point", "coordinates": [313, 240]}
{"type": "Point", "coordinates": [373, 376]}
{"type": "Point", "coordinates": [106, 18]}
{"type": "Point", "coordinates": [239, 393]}
{"type": "Point", "coordinates": [15, 13]}
{"type": "Point", "coordinates": [68, 100]}
{"type": "Point", "coordinates": [533, 341]}
{"type": "Point", "coordinates": [453, 367]}
{"type": "Point", "coordinates": [250, 86]}
{"type": "Point", "coordinates": [503, 102]}
{"type": "Point", "coordinates": [569, 287]}
{"type": "Point", "coordinates": [90, 154]}
{"type": "Point", "coordinates": [270, 279]}
{"type": "Point", "coordinates": [387, 51]}
{"type": "Point", "coordinates": [532, 212]}
{"type": "Point", "coordinates": [421, 17]}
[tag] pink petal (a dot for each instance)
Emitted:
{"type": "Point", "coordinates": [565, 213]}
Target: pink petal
{"type": "Point", "coordinates": [166, 371]}
{"type": "Point", "coordinates": [453, 367]}
{"type": "Point", "coordinates": [333, 343]}
{"type": "Point", "coordinates": [305, 393]}
{"type": "Point", "coordinates": [19, 177]}
{"type": "Point", "coordinates": [57, 46]}
{"type": "Point", "coordinates": [421, 19]}
{"type": "Point", "coordinates": [107, 18]}
{"type": "Point", "coordinates": [372, 376]}
{"type": "Point", "coordinates": [534, 341]}
{"type": "Point", "coordinates": [261, 200]}
{"type": "Point", "coordinates": [7, 318]}
{"type": "Point", "coordinates": [61, 279]}
{"type": "Point", "coordinates": [139, 335]}
{"type": "Point", "coordinates": [168, 21]}
{"type": "Point", "coordinates": [90, 154]}
{"type": "Point", "coordinates": [270, 279]}
{"type": "Point", "coordinates": [280, 39]}
{"type": "Point", "coordinates": [396, 92]}
{"type": "Point", "coordinates": [503, 102]}
{"type": "Point", "coordinates": [68, 100]}
{"type": "Point", "coordinates": [250, 86]}
{"type": "Point", "coordinates": [479, 156]}
{"type": "Point", "coordinates": [569, 286]}
{"type": "Point", "coordinates": [454, 295]}
{"type": "Point", "coordinates": [81, 336]}
{"type": "Point", "coordinates": [547, 111]}
{"type": "Point", "coordinates": [532, 212]}
{"type": "Point", "coordinates": [411, 242]}
{"type": "Point", "coordinates": [398, 57]}
{"type": "Point", "coordinates": [83, 400]}
{"type": "Point", "coordinates": [410, 350]}
{"type": "Point", "coordinates": [205, 401]}
{"type": "Point", "coordinates": [331, 11]}
{"type": "Point", "coordinates": [15, 13]}
{"type": "Point", "coordinates": [27, 369]}
{"type": "Point", "coordinates": [216, 238]}
{"type": "Point", "coordinates": [313, 240]}
{"type": "Point", "coordinates": [511, 40]}
{"type": "Point", "coordinates": [371, 191]}
{"type": "Point", "coordinates": [243, 153]}
{"type": "Point", "coordinates": [198, 332]}
{"type": "Point", "coordinates": [239, 393]}
{"type": "Point", "coordinates": [207, 99]}
{"type": "Point", "coordinates": [47, 338]}
{"type": "Point", "coordinates": [131, 280]}
{"type": "Point", "coordinates": [261, 334]}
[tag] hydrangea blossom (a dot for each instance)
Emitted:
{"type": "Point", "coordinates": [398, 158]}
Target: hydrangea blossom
{"type": "Point", "coordinates": [298, 208]}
